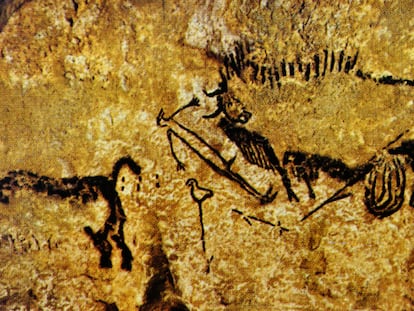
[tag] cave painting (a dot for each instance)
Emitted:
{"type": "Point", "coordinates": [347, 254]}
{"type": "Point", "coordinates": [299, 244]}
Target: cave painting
{"type": "Point", "coordinates": [384, 175]}
{"type": "Point", "coordinates": [242, 63]}
{"type": "Point", "coordinates": [84, 189]}
{"type": "Point", "coordinates": [161, 292]}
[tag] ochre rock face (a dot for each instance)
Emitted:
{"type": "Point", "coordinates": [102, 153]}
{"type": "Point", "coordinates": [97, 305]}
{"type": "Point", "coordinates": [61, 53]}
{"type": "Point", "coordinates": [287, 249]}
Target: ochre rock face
{"type": "Point", "coordinates": [163, 154]}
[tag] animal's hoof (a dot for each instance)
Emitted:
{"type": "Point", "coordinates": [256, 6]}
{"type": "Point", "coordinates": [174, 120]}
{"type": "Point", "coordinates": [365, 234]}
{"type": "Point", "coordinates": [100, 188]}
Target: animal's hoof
{"type": "Point", "coordinates": [126, 266]}
{"type": "Point", "coordinates": [105, 263]}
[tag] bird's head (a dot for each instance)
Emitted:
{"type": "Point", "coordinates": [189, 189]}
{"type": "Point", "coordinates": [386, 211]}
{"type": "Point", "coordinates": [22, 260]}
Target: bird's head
{"type": "Point", "coordinates": [191, 182]}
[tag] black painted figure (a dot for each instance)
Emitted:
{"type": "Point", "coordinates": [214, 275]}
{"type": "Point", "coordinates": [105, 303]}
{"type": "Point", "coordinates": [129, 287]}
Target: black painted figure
{"type": "Point", "coordinates": [199, 195]}
{"type": "Point", "coordinates": [250, 218]}
{"type": "Point", "coordinates": [86, 189]}
{"type": "Point", "coordinates": [384, 176]}
{"type": "Point", "coordinates": [255, 148]}
{"type": "Point", "coordinates": [239, 62]}
{"type": "Point", "coordinates": [306, 167]}
{"type": "Point", "coordinates": [206, 152]}
{"type": "Point", "coordinates": [385, 186]}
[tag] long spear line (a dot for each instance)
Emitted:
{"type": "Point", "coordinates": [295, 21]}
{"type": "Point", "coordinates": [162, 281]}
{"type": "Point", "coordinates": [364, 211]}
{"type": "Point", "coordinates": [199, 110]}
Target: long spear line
{"type": "Point", "coordinates": [215, 160]}
{"type": "Point", "coordinates": [339, 195]}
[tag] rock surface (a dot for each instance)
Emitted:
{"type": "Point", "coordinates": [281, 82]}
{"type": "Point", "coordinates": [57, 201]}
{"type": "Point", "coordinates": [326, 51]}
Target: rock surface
{"type": "Point", "coordinates": [83, 82]}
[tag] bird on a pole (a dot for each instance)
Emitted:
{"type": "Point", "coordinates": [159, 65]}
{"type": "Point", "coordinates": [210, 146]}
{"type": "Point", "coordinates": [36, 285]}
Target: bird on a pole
{"type": "Point", "coordinates": [199, 195]}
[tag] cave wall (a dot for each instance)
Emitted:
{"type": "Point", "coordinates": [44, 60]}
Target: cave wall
{"type": "Point", "coordinates": [82, 85]}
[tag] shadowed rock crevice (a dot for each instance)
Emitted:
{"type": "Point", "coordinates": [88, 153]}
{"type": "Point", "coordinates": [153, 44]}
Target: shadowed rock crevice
{"type": "Point", "coordinates": [161, 291]}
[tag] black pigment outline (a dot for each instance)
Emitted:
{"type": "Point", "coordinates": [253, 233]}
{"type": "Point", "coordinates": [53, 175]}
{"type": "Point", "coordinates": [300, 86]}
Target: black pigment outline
{"type": "Point", "coordinates": [257, 150]}
{"type": "Point", "coordinates": [199, 195]}
{"type": "Point", "coordinates": [238, 61]}
{"type": "Point", "coordinates": [220, 165]}
{"type": "Point", "coordinates": [248, 218]}
{"type": "Point", "coordinates": [334, 62]}
{"type": "Point", "coordinates": [377, 166]}
{"type": "Point", "coordinates": [86, 189]}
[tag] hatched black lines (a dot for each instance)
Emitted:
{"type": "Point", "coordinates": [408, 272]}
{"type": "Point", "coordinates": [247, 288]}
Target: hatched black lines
{"type": "Point", "coordinates": [272, 71]}
{"type": "Point", "coordinates": [240, 63]}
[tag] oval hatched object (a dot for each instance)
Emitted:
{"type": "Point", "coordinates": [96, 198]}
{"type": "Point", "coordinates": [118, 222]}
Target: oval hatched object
{"type": "Point", "coordinates": [385, 187]}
